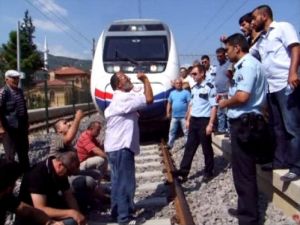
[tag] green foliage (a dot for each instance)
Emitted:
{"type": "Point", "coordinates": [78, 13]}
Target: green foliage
{"type": "Point", "coordinates": [30, 59]}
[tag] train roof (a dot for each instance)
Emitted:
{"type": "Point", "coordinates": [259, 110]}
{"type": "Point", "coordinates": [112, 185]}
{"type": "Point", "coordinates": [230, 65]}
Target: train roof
{"type": "Point", "coordinates": [137, 25]}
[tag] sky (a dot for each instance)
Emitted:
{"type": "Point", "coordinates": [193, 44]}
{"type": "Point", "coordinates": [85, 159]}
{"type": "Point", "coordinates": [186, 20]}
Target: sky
{"type": "Point", "coordinates": [71, 25]}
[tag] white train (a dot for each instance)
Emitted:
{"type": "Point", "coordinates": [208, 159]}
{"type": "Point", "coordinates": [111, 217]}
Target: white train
{"type": "Point", "coordinates": [136, 45]}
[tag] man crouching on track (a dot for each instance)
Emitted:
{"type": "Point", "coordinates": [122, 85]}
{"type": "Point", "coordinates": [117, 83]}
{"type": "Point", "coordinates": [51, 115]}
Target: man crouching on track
{"type": "Point", "coordinates": [248, 92]}
{"type": "Point", "coordinates": [122, 141]}
{"type": "Point", "coordinates": [46, 187]}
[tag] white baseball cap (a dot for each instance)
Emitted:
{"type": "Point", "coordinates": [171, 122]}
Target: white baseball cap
{"type": "Point", "coordinates": [12, 73]}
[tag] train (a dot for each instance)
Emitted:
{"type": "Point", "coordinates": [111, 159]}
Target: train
{"type": "Point", "coordinates": [135, 45]}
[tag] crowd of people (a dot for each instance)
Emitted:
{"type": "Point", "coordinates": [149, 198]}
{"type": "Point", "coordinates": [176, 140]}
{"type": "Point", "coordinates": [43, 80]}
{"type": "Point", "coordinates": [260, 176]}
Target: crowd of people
{"type": "Point", "coordinates": [251, 96]}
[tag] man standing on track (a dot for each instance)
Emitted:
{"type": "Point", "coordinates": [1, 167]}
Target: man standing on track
{"type": "Point", "coordinates": [122, 142]}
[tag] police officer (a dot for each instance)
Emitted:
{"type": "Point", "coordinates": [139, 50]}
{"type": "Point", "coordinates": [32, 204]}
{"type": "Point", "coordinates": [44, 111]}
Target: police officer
{"type": "Point", "coordinates": [247, 96]}
{"type": "Point", "coordinates": [200, 119]}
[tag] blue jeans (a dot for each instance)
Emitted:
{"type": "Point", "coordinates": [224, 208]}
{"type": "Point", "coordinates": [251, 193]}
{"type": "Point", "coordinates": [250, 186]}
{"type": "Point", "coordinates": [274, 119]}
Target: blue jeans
{"type": "Point", "coordinates": [175, 122]}
{"type": "Point", "coordinates": [222, 120]}
{"type": "Point", "coordinates": [69, 221]}
{"type": "Point", "coordinates": [122, 183]}
{"type": "Point", "coordinates": [285, 122]}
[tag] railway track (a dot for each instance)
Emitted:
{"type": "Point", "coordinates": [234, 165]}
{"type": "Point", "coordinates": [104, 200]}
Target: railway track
{"type": "Point", "coordinates": [159, 197]}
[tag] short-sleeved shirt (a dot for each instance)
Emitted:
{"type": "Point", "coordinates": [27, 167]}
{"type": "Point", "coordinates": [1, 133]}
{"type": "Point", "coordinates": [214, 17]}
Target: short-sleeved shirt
{"type": "Point", "coordinates": [222, 80]}
{"type": "Point", "coordinates": [8, 203]}
{"type": "Point", "coordinates": [57, 144]}
{"type": "Point", "coordinates": [249, 78]}
{"type": "Point", "coordinates": [121, 116]}
{"type": "Point", "coordinates": [210, 74]}
{"type": "Point", "coordinates": [203, 99]}
{"type": "Point", "coordinates": [274, 53]}
{"type": "Point", "coordinates": [43, 180]}
{"type": "Point", "coordinates": [85, 145]}
{"type": "Point", "coordinates": [179, 99]}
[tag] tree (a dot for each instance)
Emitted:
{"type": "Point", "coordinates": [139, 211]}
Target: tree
{"type": "Point", "coordinates": [30, 60]}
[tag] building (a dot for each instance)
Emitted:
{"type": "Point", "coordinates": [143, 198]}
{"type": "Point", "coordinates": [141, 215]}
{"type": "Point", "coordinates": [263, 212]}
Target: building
{"type": "Point", "coordinates": [65, 86]}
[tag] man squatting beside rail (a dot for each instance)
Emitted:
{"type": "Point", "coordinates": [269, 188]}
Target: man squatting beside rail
{"type": "Point", "coordinates": [122, 142]}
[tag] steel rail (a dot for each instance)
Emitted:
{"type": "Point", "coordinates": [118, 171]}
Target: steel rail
{"type": "Point", "coordinates": [183, 214]}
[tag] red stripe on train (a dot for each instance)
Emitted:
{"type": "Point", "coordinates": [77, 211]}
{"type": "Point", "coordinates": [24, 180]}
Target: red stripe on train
{"type": "Point", "coordinates": [103, 95]}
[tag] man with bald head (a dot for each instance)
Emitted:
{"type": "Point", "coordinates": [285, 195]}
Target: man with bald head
{"type": "Point", "coordinates": [122, 141]}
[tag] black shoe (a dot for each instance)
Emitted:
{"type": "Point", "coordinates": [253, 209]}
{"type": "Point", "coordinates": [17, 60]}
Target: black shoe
{"type": "Point", "coordinates": [219, 132]}
{"type": "Point", "coordinates": [270, 167]}
{"type": "Point", "coordinates": [207, 177]}
{"type": "Point", "coordinates": [233, 212]}
{"type": "Point", "coordinates": [134, 221]}
{"type": "Point", "coordinates": [181, 176]}
{"type": "Point", "coordinates": [289, 177]}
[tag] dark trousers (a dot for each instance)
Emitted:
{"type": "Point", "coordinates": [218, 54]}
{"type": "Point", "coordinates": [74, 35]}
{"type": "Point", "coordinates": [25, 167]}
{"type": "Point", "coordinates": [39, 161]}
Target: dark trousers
{"type": "Point", "coordinates": [285, 122]}
{"type": "Point", "coordinates": [16, 141]}
{"type": "Point", "coordinates": [244, 178]}
{"type": "Point", "coordinates": [196, 136]}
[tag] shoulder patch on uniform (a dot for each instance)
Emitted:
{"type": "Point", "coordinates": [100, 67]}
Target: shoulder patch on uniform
{"type": "Point", "coordinates": [240, 77]}
{"type": "Point", "coordinates": [210, 85]}
{"type": "Point", "coordinates": [240, 65]}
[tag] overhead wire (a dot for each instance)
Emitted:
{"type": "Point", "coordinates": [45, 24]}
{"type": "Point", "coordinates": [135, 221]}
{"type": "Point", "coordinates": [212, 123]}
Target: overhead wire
{"type": "Point", "coordinates": [64, 20]}
{"type": "Point", "coordinates": [224, 21]}
{"type": "Point", "coordinates": [54, 23]}
{"type": "Point", "coordinates": [222, 24]}
{"type": "Point", "coordinates": [208, 23]}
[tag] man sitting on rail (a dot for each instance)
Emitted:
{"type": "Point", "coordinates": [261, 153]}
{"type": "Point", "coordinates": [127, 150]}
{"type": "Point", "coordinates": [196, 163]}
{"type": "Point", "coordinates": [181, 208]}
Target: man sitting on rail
{"type": "Point", "coordinates": [46, 187]}
{"type": "Point", "coordinates": [90, 152]}
{"type": "Point", "coordinates": [65, 133]}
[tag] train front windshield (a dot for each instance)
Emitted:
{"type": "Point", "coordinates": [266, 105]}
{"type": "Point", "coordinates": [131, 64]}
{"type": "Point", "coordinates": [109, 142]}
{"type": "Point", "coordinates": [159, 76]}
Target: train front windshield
{"type": "Point", "coordinates": [137, 48]}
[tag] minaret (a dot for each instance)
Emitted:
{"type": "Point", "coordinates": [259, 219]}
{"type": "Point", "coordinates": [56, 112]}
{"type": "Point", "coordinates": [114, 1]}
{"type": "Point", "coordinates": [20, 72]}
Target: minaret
{"type": "Point", "coordinates": [46, 51]}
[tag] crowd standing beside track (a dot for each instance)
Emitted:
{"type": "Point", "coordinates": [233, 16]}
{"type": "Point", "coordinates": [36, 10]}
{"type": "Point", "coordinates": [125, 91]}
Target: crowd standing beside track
{"type": "Point", "coordinates": [200, 119]}
{"type": "Point", "coordinates": [247, 95]}
{"type": "Point", "coordinates": [14, 119]}
{"type": "Point", "coordinates": [279, 47]}
{"type": "Point", "coordinates": [122, 142]}
{"type": "Point", "coordinates": [177, 107]}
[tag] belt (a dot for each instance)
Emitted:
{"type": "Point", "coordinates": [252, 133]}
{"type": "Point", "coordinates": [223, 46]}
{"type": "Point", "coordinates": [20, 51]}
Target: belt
{"type": "Point", "coordinates": [246, 117]}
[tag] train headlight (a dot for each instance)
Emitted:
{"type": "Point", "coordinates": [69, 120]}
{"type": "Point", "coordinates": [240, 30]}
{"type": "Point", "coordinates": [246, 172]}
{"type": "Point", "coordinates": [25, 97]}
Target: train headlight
{"type": "Point", "coordinates": [109, 68]}
{"type": "Point", "coordinates": [116, 69]}
{"type": "Point", "coordinates": [128, 68]}
{"type": "Point", "coordinates": [153, 68]}
{"type": "Point", "coordinates": [161, 68]}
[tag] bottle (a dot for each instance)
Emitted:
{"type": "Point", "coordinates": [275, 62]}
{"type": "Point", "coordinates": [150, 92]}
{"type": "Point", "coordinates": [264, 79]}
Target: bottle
{"type": "Point", "coordinates": [289, 90]}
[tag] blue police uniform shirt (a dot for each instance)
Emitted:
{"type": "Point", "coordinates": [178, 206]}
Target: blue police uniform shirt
{"type": "Point", "coordinates": [179, 101]}
{"type": "Point", "coordinates": [203, 99]}
{"type": "Point", "coordinates": [248, 77]}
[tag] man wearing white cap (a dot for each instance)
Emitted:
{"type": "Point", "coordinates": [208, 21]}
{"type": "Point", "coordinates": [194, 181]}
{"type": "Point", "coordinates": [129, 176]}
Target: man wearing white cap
{"type": "Point", "coordinates": [14, 119]}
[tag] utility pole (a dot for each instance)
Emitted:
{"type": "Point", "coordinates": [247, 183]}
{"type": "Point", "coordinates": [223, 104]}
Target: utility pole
{"type": "Point", "coordinates": [18, 52]}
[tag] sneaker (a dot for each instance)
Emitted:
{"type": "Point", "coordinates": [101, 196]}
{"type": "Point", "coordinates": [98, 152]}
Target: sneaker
{"type": "Point", "coordinates": [134, 221]}
{"type": "Point", "coordinates": [289, 176]}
